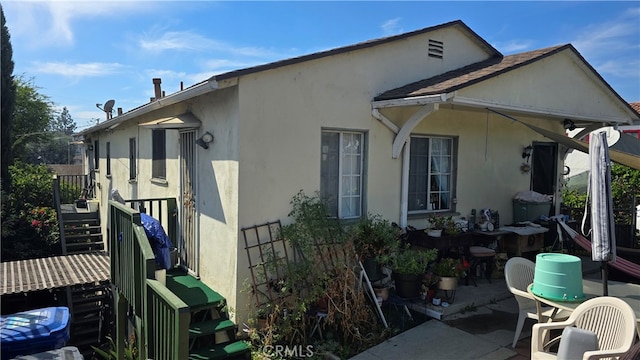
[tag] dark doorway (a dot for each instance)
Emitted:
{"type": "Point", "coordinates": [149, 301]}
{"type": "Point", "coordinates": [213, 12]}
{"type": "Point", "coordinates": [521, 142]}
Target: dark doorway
{"type": "Point", "coordinates": [544, 169]}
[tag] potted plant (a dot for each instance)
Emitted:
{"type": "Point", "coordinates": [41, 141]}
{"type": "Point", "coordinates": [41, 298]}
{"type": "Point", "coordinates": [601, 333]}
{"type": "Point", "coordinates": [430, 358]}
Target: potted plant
{"type": "Point", "coordinates": [374, 240]}
{"type": "Point", "coordinates": [430, 285]}
{"type": "Point", "coordinates": [449, 270]}
{"type": "Point", "coordinates": [437, 223]}
{"type": "Point", "coordinates": [409, 266]}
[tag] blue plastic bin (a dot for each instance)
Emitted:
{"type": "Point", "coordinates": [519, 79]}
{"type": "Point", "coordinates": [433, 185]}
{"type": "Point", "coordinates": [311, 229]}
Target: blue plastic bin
{"type": "Point", "coordinates": [34, 331]}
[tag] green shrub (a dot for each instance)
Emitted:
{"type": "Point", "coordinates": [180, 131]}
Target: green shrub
{"type": "Point", "coordinates": [31, 186]}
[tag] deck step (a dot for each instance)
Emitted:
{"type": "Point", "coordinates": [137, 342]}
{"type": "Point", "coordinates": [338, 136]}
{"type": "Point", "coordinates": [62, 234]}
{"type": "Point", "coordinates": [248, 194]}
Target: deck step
{"type": "Point", "coordinates": [220, 351]}
{"type": "Point", "coordinates": [192, 291]}
{"type": "Point", "coordinates": [210, 327]}
{"type": "Point", "coordinates": [83, 236]}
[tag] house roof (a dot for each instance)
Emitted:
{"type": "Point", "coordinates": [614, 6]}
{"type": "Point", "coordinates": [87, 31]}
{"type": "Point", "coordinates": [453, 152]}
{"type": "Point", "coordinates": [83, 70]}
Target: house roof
{"type": "Point", "coordinates": [358, 46]}
{"type": "Point", "coordinates": [467, 75]}
{"type": "Point", "coordinates": [635, 106]}
{"type": "Point", "coordinates": [211, 83]}
{"type": "Point", "coordinates": [439, 84]}
{"type": "Point", "coordinates": [484, 70]}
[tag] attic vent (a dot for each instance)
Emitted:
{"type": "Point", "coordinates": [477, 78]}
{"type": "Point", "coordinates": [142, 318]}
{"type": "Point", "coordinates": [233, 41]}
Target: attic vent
{"type": "Point", "coordinates": [436, 48]}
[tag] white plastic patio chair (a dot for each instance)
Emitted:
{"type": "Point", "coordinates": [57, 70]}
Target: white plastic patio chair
{"type": "Point", "coordinates": [518, 274]}
{"type": "Point", "coordinates": [611, 319]}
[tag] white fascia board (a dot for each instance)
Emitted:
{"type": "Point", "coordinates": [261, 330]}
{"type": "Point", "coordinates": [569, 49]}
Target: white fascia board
{"type": "Point", "coordinates": [461, 100]}
{"type": "Point", "coordinates": [171, 99]}
{"type": "Point", "coordinates": [411, 101]}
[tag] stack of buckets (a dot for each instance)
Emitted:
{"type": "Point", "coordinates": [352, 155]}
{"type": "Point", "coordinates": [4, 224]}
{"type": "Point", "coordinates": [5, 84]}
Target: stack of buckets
{"type": "Point", "coordinates": [34, 331]}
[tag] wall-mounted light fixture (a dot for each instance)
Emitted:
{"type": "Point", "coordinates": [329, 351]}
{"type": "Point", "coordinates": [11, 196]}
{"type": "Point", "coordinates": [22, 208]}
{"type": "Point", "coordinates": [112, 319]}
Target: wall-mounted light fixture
{"type": "Point", "coordinates": [204, 140]}
{"type": "Point", "coordinates": [569, 124]}
{"type": "Point", "coordinates": [526, 152]}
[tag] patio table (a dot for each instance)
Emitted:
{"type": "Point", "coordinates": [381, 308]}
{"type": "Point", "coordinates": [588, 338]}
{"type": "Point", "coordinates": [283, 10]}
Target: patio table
{"type": "Point", "coordinates": [629, 293]}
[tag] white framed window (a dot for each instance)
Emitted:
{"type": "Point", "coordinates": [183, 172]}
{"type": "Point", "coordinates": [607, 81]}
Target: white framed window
{"type": "Point", "coordinates": [341, 172]}
{"type": "Point", "coordinates": [432, 165]}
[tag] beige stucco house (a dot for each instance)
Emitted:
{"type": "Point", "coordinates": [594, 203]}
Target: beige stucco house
{"type": "Point", "coordinates": [433, 120]}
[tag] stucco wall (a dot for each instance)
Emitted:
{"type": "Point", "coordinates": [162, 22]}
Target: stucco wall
{"type": "Point", "coordinates": [143, 186]}
{"type": "Point", "coordinates": [283, 111]}
{"type": "Point", "coordinates": [217, 192]}
{"type": "Point", "coordinates": [554, 84]}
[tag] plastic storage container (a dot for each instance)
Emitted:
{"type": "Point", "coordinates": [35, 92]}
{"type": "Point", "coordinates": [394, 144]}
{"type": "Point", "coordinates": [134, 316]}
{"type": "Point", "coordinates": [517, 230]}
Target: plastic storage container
{"type": "Point", "coordinates": [65, 353]}
{"type": "Point", "coordinates": [529, 211]}
{"type": "Point", "coordinates": [34, 331]}
{"type": "Point", "coordinates": [558, 277]}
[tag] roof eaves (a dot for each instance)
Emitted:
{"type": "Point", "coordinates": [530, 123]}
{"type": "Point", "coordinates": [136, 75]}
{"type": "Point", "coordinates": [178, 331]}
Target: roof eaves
{"type": "Point", "coordinates": [191, 91]}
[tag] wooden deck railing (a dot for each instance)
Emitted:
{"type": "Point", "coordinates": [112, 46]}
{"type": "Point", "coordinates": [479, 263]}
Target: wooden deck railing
{"type": "Point", "coordinates": [162, 319]}
{"type": "Point", "coordinates": [71, 186]}
{"type": "Point", "coordinates": [169, 319]}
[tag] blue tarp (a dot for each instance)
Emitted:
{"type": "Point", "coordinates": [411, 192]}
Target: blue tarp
{"type": "Point", "coordinates": [160, 242]}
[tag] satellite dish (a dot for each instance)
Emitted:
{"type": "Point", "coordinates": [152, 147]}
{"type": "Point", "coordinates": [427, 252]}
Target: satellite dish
{"type": "Point", "coordinates": [613, 136]}
{"type": "Point", "coordinates": [108, 106]}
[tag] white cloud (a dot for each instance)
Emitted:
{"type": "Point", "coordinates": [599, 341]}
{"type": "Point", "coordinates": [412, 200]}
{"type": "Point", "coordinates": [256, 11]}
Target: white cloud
{"type": "Point", "coordinates": [617, 39]}
{"type": "Point", "coordinates": [50, 23]}
{"type": "Point", "coordinates": [156, 73]}
{"type": "Point", "coordinates": [176, 40]}
{"type": "Point", "coordinates": [392, 27]}
{"type": "Point", "coordinates": [605, 37]}
{"type": "Point", "coordinates": [620, 68]}
{"type": "Point", "coordinates": [93, 69]}
{"type": "Point", "coordinates": [513, 46]}
{"type": "Point", "coordinates": [191, 41]}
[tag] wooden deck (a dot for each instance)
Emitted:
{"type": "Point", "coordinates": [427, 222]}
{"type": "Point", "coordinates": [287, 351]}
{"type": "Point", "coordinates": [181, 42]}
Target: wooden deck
{"type": "Point", "coordinates": [53, 272]}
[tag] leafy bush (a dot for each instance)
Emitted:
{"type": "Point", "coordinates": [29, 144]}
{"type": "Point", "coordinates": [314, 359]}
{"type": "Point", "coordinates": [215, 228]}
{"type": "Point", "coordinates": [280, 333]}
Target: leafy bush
{"type": "Point", "coordinates": [44, 221]}
{"type": "Point", "coordinates": [625, 184]}
{"type": "Point", "coordinates": [29, 222]}
{"type": "Point", "coordinates": [323, 276]}
{"type": "Point", "coordinates": [31, 186]}
{"type": "Point", "coordinates": [408, 261]}
{"type": "Point", "coordinates": [375, 237]}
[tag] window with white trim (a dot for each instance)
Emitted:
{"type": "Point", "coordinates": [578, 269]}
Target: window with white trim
{"type": "Point", "coordinates": [432, 165]}
{"type": "Point", "coordinates": [341, 173]}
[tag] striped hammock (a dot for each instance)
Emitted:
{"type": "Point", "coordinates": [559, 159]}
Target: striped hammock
{"type": "Point", "coordinates": [621, 264]}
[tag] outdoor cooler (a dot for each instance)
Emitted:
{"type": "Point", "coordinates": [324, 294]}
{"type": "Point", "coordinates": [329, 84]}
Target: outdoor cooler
{"type": "Point", "coordinates": [34, 331]}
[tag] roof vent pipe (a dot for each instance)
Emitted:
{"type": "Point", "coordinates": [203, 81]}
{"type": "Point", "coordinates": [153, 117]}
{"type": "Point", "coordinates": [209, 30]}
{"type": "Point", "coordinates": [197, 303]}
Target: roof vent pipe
{"type": "Point", "coordinates": [119, 111]}
{"type": "Point", "coordinates": [157, 88]}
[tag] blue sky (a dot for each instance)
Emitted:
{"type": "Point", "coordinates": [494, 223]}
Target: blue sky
{"type": "Point", "coordinates": [81, 53]}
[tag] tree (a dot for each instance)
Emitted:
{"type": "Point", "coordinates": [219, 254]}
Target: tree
{"type": "Point", "coordinates": [57, 149]}
{"type": "Point", "coordinates": [32, 117]}
{"type": "Point", "coordinates": [8, 91]}
{"type": "Point", "coordinates": [63, 123]}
